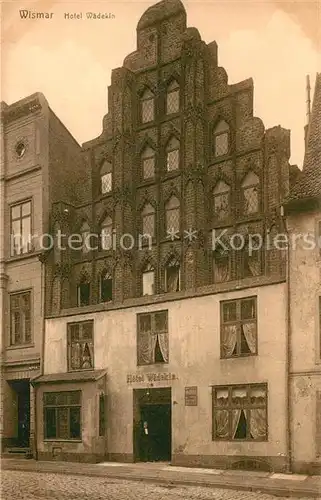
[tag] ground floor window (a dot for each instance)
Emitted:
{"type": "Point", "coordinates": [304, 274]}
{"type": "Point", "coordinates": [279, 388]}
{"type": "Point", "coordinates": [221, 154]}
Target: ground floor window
{"type": "Point", "coordinates": [240, 412]}
{"type": "Point", "coordinates": [62, 415]}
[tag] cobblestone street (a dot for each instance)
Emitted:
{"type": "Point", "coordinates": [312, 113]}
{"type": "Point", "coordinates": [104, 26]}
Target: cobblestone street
{"type": "Point", "coordinates": [19, 485]}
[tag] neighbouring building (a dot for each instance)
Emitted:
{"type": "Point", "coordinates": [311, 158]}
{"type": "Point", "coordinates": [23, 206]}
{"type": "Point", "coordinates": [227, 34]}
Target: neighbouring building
{"type": "Point", "coordinates": [171, 347]}
{"type": "Point", "coordinates": [303, 216]}
{"type": "Point", "coordinates": [38, 157]}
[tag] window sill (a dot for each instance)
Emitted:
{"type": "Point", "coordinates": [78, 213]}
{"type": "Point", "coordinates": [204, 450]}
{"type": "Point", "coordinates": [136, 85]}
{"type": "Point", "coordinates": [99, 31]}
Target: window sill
{"type": "Point", "coordinates": [21, 346]}
{"type": "Point", "coordinates": [240, 356]}
{"type": "Point", "coordinates": [57, 440]}
{"type": "Point", "coordinates": [247, 440]}
{"type": "Point", "coordinates": [219, 159]}
{"type": "Point", "coordinates": [172, 173]}
{"type": "Point", "coordinates": [28, 255]}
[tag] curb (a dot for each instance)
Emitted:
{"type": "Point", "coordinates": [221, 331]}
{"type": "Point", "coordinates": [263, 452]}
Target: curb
{"type": "Point", "coordinates": [277, 491]}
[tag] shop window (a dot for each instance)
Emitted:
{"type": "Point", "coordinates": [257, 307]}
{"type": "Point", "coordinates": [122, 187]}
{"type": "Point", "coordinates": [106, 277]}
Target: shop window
{"type": "Point", "coordinates": [250, 194]}
{"type": "Point", "coordinates": [20, 318]}
{"type": "Point", "coordinates": [80, 345]}
{"type": "Point", "coordinates": [20, 223]}
{"type": "Point", "coordinates": [221, 136]}
{"type": "Point", "coordinates": [62, 415]}
{"type": "Point", "coordinates": [172, 98]}
{"type": "Point", "coordinates": [152, 338]}
{"type": "Point", "coordinates": [240, 412]}
{"type": "Point", "coordinates": [238, 328]}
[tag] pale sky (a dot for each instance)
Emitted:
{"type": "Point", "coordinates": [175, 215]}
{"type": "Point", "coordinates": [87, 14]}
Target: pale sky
{"type": "Point", "coordinates": [70, 61]}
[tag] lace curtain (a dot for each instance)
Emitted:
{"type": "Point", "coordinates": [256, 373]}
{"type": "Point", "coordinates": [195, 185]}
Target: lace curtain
{"type": "Point", "coordinates": [147, 345]}
{"type": "Point", "coordinates": [258, 423]}
{"type": "Point", "coordinates": [249, 330]}
{"type": "Point", "coordinates": [229, 337]}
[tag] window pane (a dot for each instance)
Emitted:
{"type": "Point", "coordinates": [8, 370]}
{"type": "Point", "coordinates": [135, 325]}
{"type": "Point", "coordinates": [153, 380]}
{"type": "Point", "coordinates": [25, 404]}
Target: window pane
{"type": "Point", "coordinates": [221, 424]}
{"type": "Point", "coordinates": [15, 212]}
{"type": "Point", "coordinates": [87, 330]}
{"type": "Point", "coordinates": [50, 423]}
{"type": "Point", "coordinates": [221, 144]}
{"type": "Point", "coordinates": [147, 110]}
{"type": "Point", "coordinates": [84, 294]}
{"type": "Point", "coordinates": [26, 234]}
{"type": "Point", "coordinates": [251, 200]}
{"type": "Point", "coordinates": [161, 321]}
{"type": "Point", "coordinates": [248, 309]}
{"type": "Point", "coordinates": [106, 183]}
{"type": "Point", "coordinates": [145, 324]}
{"type": "Point", "coordinates": [62, 423]}
{"type": "Point", "coordinates": [229, 311]}
{"type": "Point", "coordinates": [148, 225]}
{"type": "Point", "coordinates": [26, 208]}
{"type": "Point", "coordinates": [148, 283]}
{"type": "Point", "coordinates": [148, 168]}
{"type": "Point", "coordinates": [172, 102]}
{"type": "Point", "coordinates": [74, 423]}
{"type": "Point", "coordinates": [173, 160]}
{"type": "Point", "coordinates": [172, 279]}
{"type": "Point", "coordinates": [222, 206]}
{"type": "Point", "coordinates": [16, 238]}
{"type": "Point", "coordinates": [221, 397]}
{"type": "Point", "coordinates": [221, 269]}
{"type": "Point", "coordinates": [106, 237]}
{"type": "Point", "coordinates": [239, 396]}
{"type": "Point", "coordinates": [172, 220]}
{"type": "Point", "coordinates": [106, 289]}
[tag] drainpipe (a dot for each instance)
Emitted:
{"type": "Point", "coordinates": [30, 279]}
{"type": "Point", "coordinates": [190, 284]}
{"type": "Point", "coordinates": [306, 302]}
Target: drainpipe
{"type": "Point", "coordinates": [288, 356]}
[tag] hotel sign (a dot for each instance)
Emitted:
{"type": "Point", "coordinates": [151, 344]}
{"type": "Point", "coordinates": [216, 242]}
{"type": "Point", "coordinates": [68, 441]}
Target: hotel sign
{"type": "Point", "coordinates": [150, 377]}
{"type": "Point", "coordinates": [191, 396]}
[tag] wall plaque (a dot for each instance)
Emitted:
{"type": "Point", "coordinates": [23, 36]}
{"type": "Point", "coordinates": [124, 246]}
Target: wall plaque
{"type": "Point", "coordinates": [191, 396]}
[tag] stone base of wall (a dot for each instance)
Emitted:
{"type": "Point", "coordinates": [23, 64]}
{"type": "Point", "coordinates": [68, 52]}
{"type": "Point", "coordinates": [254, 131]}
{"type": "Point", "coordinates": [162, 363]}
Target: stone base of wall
{"type": "Point", "coordinates": [90, 458]}
{"type": "Point", "coordinates": [268, 464]}
{"type": "Point", "coordinates": [121, 457]}
{"type": "Point", "coordinates": [310, 468]}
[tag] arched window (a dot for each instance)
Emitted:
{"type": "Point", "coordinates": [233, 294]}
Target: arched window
{"type": "Point", "coordinates": [148, 220]}
{"type": "Point", "coordinates": [172, 275]}
{"type": "Point", "coordinates": [85, 236]}
{"type": "Point", "coordinates": [172, 210]}
{"type": "Point", "coordinates": [106, 286]}
{"type": "Point", "coordinates": [250, 190]}
{"type": "Point", "coordinates": [147, 106]}
{"type": "Point", "coordinates": [148, 280]}
{"type": "Point", "coordinates": [172, 154]}
{"type": "Point", "coordinates": [172, 98]}
{"type": "Point", "coordinates": [106, 234]}
{"type": "Point", "coordinates": [221, 201]}
{"type": "Point", "coordinates": [252, 258]}
{"type": "Point", "coordinates": [106, 177]}
{"type": "Point", "coordinates": [83, 292]}
{"type": "Point", "coordinates": [148, 163]}
{"type": "Point", "coordinates": [221, 266]}
{"type": "Point", "coordinates": [221, 139]}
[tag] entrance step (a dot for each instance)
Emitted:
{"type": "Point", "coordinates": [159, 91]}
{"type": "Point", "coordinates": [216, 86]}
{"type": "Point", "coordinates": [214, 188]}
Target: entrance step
{"type": "Point", "coordinates": [16, 452]}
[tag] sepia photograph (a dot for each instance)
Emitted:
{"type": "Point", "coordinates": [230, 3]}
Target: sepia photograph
{"type": "Point", "coordinates": [160, 249]}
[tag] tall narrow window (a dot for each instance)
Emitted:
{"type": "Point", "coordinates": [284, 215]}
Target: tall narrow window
{"type": "Point", "coordinates": [172, 210]}
{"type": "Point", "coordinates": [221, 135]}
{"type": "Point", "coordinates": [172, 276]}
{"type": "Point", "coordinates": [83, 292]}
{"type": "Point", "coordinates": [238, 327]}
{"type": "Point", "coordinates": [148, 221]}
{"type": "Point", "coordinates": [147, 106]}
{"type": "Point", "coordinates": [240, 412]}
{"type": "Point", "coordinates": [152, 338]}
{"type": "Point", "coordinates": [172, 154]}
{"type": "Point", "coordinates": [80, 345]}
{"type": "Point", "coordinates": [20, 221]}
{"type": "Point", "coordinates": [148, 280]}
{"type": "Point", "coordinates": [221, 201]}
{"type": "Point", "coordinates": [85, 236]}
{"type": "Point", "coordinates": [250, 191]}
{"type": "Point", "coordinates": [221, 265]}
{"type": "Point", "coordinates": [148, 163]}
{"type": "Point", "coordinates": [106, 177]}
{"type": "Point", "coordinates": [106, 234]}
{"type": "Point", "coordinates": [106, 286]}
{"type": "Point", "coordinates": [252, 259]}
{"type": "Point", "coordinates": [172, 98]}
{"type": "Point", "coordinates": [20, 318]}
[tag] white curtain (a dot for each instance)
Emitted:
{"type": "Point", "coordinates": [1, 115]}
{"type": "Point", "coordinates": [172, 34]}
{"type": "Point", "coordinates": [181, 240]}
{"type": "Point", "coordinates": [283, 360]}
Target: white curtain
{"type": "Point", "coordinates": [147, 344]}
{"type": "Point", "coordinates": [258, 423]}
{"type": "Point", "coordinates": [221, 424]}
{"type": "Point", "coordinates": [235, 420]}
{"type": "Point", "coordinates": [249, 330]}
{"type": "Point", "coordinates": [229, 339]}
{"type": "Point", "coordinates": [163, 345]}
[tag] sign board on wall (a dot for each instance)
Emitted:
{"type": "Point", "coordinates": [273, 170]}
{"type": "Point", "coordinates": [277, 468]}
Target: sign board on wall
{"type": "Point", "coordinates": [150, 377]}
{"type": "Point", "coordinates": [191, 396]}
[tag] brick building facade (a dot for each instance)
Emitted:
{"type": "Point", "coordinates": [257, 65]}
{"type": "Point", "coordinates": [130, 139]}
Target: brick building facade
{"type": "Point", "coordinates": [37, 155]}
{"type": "Point", "coordinates": [178, 332]}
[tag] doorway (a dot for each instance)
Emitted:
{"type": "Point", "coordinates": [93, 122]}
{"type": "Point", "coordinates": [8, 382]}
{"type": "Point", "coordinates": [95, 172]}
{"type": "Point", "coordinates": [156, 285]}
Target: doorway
{"type": "Point", "coordinates": [22, 390]}
{"type": "Point", "coordinates": [152, 425]}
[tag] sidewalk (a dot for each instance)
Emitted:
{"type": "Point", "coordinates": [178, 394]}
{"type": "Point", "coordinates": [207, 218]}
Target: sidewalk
{"type": "Point", "coordinates": [285, 485]}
